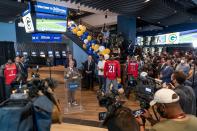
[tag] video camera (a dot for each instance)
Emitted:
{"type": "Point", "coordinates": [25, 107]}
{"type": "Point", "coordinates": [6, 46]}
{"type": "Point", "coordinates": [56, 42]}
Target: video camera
{"type": "Point", "coordinates": [147, 89]}
{"type": "Point", "coordinates": [111, 102]}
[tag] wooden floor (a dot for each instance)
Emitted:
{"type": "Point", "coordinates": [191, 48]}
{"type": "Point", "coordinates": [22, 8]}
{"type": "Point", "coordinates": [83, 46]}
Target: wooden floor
{"type": "Point", "coordinates": [89, 103]}
{"type": "Point", "coordinates": [74, 127]}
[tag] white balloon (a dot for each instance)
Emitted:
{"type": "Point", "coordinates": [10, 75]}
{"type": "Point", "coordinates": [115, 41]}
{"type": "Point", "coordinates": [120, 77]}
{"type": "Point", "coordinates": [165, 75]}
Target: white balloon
{"type": "Point", "coordinates": [106, 56]}
{"type": "Point", "coordinates": [121, 91]}
{"type": "Point", "coordinates": [85, 41]}
{"type": "Point", "coordinates": [101, 48]}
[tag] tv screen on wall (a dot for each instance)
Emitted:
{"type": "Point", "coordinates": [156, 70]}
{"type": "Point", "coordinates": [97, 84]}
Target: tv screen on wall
{"type": "Point", "coordinates": [51, 25]}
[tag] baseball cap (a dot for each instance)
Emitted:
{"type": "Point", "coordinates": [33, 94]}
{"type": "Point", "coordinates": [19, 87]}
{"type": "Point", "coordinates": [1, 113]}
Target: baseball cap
{"type": "Point", "coordinates": [164, 95]}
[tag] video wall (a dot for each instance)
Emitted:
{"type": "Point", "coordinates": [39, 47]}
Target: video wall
{"type": "Point", "coordinates": [170, 38]}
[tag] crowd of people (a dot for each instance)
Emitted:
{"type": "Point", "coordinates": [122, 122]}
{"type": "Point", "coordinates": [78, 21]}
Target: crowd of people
{"type": "Point", "coordinates": [175, 101]}
{"type": "Point", "coordinates": [13, 71]}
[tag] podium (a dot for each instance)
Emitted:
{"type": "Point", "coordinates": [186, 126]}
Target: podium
{"type": "Point", "coordinates": [73, 95]}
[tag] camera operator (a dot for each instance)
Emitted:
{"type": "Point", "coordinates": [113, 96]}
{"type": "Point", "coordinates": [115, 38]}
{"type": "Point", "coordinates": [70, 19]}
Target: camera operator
{"type": "Point", "coordinates": [186, 93]}
{"type": "Point", "coordinates": [167, 105]}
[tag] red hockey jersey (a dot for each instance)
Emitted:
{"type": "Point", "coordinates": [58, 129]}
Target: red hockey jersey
{"type": "Point", "coordinates": [132, 69]}
{"type": "Point", "coordinates": [112, 69]}
{"type": "Point", "coordinates": [10, 73]}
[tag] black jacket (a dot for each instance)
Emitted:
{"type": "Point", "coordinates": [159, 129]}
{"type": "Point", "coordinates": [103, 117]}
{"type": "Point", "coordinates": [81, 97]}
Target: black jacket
{"type": "Point", "coordinates": [91, 67]}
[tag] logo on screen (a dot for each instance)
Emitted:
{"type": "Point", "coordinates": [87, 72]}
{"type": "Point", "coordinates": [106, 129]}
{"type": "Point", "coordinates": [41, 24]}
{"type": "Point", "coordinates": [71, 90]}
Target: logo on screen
{"type": "Point", "coordinates": [172, 38]}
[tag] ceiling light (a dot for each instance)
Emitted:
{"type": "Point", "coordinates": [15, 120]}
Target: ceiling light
{"type": "Point", "coordinates": [146, 0]}
{"type": "Point", "coordinates": [158, 22]}
{"type": "Point", "coordinates": [139, 17]}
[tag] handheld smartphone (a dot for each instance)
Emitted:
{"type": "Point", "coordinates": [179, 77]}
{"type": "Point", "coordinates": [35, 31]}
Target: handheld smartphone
{"type": "Point", "coordinates": [139, 112]}
{"type": "Point", "coordinates": [102, 116]}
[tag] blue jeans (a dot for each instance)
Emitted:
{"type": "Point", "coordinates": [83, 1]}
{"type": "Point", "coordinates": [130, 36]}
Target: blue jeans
{"type": "Point", "coordinates": [7, 91]}
{"type": "Point", "coordinates": [102, 82]}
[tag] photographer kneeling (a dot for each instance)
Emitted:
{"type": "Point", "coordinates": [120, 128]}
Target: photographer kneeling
{"type": "Point", "coordinates": [167, 105]}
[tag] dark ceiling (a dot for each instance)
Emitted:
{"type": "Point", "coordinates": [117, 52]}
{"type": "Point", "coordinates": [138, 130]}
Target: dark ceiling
{"type": "Point", "coordinates": [159, 12]}
{"type": "Point", "coordinates": [10, 10]}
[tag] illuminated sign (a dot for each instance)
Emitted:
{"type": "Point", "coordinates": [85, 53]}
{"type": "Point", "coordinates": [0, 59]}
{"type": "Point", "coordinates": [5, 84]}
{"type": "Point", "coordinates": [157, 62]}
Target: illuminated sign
{"type": "Point", "coordinates": [50, 9]}
{"type": "Point", "coordinates": [42, 37]}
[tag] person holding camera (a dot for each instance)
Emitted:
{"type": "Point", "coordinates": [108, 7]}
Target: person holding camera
{"type": "Point", "coordinates": [166, 102]}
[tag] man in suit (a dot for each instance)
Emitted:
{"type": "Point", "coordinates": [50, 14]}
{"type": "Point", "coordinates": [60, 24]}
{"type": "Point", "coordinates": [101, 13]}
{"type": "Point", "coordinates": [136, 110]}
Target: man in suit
{"type": "Point", "coordinates": [72, 75]}
{"type": "Point", "coordinates": [89, 67]}
{"type": "Point", "coordinates": [166, 72]}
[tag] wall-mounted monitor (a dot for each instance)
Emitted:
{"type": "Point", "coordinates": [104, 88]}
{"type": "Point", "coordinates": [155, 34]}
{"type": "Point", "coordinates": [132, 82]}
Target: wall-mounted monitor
{"type": "Point", "coordinates": [51, 25]}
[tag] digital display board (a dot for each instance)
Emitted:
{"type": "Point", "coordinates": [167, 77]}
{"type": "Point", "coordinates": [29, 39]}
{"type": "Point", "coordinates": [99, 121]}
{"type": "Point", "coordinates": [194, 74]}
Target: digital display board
{"type": "Point", "coordinates": [46, 37]}
{"type": "Point", "coordinates": [50, 9]}
{"type": "Point", "coordinates": [51, 25]}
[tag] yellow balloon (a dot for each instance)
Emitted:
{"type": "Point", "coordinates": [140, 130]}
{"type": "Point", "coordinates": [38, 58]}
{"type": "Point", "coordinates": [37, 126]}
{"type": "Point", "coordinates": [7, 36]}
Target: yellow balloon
{"type": "Point", "coordinates": [107, 51]}
{"type": "Point", "coordinates": [93, 46]}
{"type": "Point", "coordinates": [79, 33]}
{"type": "Point", "coordinates": [89, 38]}
{"type": "Point", "coordinates": [75, 30]}
{"type": "Point", "coordinates": [96, 47]}
{"type": "Point", "coordinates": [83, 29]}
{"type": "Point", "coordinates": [80, 27]}
{"type": "Point", "coordinates": [84, 46]}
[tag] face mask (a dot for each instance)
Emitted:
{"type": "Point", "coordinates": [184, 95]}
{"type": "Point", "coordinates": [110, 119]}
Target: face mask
{"type": "Point", "coordinates": [182, 61]}
{"type": "Point", "coordinates": [161, 112]}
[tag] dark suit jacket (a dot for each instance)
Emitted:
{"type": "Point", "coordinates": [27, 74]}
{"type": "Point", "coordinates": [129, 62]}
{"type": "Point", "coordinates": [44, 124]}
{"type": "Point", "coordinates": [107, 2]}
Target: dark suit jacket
{"type": "Point", "coordinates": [166, 74]}
{"type": "Point", "coordinates": [91, 67]}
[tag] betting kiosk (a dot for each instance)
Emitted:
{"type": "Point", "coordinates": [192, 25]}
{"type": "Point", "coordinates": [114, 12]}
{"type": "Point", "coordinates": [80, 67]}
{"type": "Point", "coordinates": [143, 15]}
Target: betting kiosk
{"type": "Point", "coordinates": [50, 54]}
{"type": "Point", "coordinates": [58, 60]}
{"type": "Point", "coordinates": [25, 54]}
{"type": "Point", "coordinates": [33, 53]}
{"type": "Point", "coordinates": [42, 54]}
{"type": "Point", "coordinates": [72, 91]}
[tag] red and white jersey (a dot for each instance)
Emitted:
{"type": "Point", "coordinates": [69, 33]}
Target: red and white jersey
{"type": "Point", "coordinates": [132, 68]}
{"type": "Point", "coordinates": [112, 69]}
{"type": "Point", "coordinates": [10, 73]}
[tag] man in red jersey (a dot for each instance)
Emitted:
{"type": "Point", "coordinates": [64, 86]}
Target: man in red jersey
{"type": "Point", "coordinates": [10, 74]}
{"type": "Point", "coordinates": [111, 73]}
{"type": "Point", "coordinates": [131, 74]}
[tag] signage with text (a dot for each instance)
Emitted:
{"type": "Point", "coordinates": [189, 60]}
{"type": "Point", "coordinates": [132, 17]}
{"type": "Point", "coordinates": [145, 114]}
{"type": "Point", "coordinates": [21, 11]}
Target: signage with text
{"type": "Point", "coordinates": [27, 20]}
{"type": "Point", "coordinates": [50, 9]}
{"type": "Point", "coordinates": [42, 37]}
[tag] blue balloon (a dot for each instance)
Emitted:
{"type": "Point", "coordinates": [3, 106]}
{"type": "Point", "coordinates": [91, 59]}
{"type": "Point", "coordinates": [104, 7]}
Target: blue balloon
{"type": "Point", "coordinates": [94, 41]}
{"type": "Point", "coordinates": [86, 33]}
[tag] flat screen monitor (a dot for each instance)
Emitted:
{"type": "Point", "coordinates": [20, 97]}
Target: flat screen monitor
{"type": "Point", "coordinates": [51, 25]}
{"type": "Point", "coordinates": [33, 53]}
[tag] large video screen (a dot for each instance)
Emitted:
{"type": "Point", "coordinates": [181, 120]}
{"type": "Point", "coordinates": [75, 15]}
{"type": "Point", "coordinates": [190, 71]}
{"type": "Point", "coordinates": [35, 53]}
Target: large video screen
{"type": "Point", "coordinates": [51, 25]}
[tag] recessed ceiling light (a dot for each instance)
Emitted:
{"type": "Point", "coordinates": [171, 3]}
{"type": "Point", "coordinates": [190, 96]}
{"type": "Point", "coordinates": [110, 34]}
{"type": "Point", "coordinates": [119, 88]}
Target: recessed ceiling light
{"type": "Point", "coordinates": [146, 0]}
{"type": "Point", "coordinates": [158, 22]}
{"type": "Point", "coordinates": [139, 17]}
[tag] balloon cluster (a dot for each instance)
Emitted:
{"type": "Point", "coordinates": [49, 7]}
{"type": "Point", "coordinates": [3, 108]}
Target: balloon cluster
{"type": "Point", "coordinates": [89, 44]}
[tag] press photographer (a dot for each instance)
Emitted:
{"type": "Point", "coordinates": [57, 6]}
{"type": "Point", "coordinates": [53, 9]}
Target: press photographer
{"type": "Point", "coordinates": [117, 117]}
{"type": "Point", "coordinates": [173, 118]}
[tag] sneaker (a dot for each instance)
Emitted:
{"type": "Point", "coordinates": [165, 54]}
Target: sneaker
{"type": "Point", "coordinates": [75, 103]}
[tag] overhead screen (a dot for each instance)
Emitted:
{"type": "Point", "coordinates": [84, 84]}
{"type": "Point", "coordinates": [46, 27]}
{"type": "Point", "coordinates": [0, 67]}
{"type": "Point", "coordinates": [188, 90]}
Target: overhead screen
{"type": "Point", "coordinates": [51, 25]}
{"type": "Point", "coordinates": [170, 38]}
